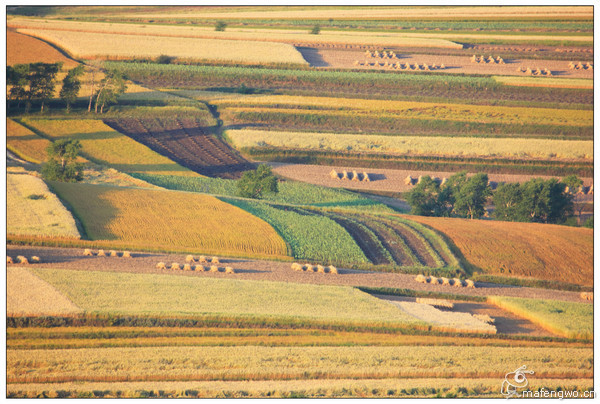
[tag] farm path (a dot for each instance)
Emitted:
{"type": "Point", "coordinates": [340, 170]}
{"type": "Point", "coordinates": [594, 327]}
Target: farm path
{"type": "Point", "coordinates": [262, 270]}
{"type": "Point", "coordinates": [381, 179]}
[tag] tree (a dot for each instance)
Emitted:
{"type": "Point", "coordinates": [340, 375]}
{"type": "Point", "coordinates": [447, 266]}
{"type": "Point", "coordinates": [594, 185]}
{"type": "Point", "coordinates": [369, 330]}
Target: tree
{"type": "Point", "coordinates": [220, 26]}
{"type": "Point", "coordinates": [545, 201]}
{"type": "Point", "coordinates": [254, 184]}
{"type": "Point", "coordinates": [42, 81]}
{"type": "Point", "coordinates": [316, 29]}
{"type": "Point", "coordinates": [573, 182]}
{"type": "Point", "coordinates": [71, 86]}
{"type": "Point", "coordinates": [423, 198]}
{"type": "Point", "coordinates": [17, 77]}
{"type": "Point", "coordinates": [111, 87]}
{"type": "Point", "coordinates": [61, 165]}
{"type": "Point", "coordinates": [471, 197]}
{"type": "Point", "coordinates": [507, 199]}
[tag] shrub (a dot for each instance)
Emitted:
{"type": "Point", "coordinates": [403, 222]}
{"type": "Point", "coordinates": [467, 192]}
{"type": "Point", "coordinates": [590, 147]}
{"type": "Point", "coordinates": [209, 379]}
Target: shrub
{"type": "Point", "coordinates": [220, 26]}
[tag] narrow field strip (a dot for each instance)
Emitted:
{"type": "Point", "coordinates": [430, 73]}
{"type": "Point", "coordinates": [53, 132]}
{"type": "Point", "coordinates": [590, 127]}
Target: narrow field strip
{"type": "Point", "coordinates": [24, 143]}
{"type": "Point", "coordinates": [27, 294]}
{"type": "Point", "coordinates": [285, 363]}
{"type": "Point", "coordinates": [415, 145]}
{"type": "Point", "coordinates": [545, 82]}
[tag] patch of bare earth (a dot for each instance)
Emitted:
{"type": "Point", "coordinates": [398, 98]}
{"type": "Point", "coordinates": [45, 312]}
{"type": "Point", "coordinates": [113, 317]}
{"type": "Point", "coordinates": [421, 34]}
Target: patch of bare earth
{"type": "Point", "coordinates": [144, 262]}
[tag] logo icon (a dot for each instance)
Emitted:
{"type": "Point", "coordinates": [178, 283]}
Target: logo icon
{"type": "Point", "coordinates": [514, 381]}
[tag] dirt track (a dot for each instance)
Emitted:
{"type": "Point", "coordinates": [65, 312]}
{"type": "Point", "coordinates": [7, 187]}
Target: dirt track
{"type": "Point", "coordinates": [71, 258]}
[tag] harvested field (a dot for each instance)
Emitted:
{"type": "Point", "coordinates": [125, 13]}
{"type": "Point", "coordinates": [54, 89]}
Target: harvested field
{"type": "Point", "coordinates": [31, 209]}
{"type": "Point", "coordinates": [92, 45]}
{"type": "Point", "coordinates": [545, 82]}
{"type": "Point", "coordinates": [168, 220]}
{"type": "Point", "coordinates": [345, 59]}
{"type": "Point", "coordinates": [69, 258]}
{"type": "Point", "coordinates": [22, 49]}
{"type": "Point", "coordinates": [381, 179]}
{"type": "Point", "coordinates": [528, 250]}
{"type": "Point", "coordinates": [27, 294]}
{"type": "Point", "coordinates": [186, 141]}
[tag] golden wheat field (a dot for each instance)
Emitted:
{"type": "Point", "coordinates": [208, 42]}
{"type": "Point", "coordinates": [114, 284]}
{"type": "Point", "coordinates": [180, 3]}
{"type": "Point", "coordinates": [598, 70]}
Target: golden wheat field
{"type": "Point", "coordinates": [90, 45]}
{"type": "Point", "coordinates": [416, 145]}
{"type": "Point", "coordinates": [31, 209]}
{"type": "Point", "coordinates": [239, 34]}
{"type": "Point", "coordinates": [545, 82]}
{"type": "Point", "coordinates": [26, 294]}
{"type": "Point", "coordinates": [24, 143]}
{"type": "Point", "coordinates": [169, 220]}
{"type": "Point", "coordinates": [530, 250]}
{"type": "Point", "coordinates": [422, 110]}
{"type": "Point", "coordinates": [104, 145]}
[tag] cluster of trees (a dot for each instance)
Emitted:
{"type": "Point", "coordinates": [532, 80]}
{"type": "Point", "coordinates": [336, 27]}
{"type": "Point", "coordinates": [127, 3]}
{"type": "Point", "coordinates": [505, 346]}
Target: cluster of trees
{"type": "Point", "coordinates": [36, 82]}
{"type": "Point", "coordinates": [62, 165]}
{"type": "Point", "coordinates": [537, 200]}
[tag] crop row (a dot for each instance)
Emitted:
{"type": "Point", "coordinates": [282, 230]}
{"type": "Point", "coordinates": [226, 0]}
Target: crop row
{"type": "Point", "coordinates": [349, 83]}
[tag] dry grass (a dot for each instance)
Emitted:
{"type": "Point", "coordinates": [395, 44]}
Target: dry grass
{"type": "Point", "coordinates": [26, 294]}
{"type": "Point", "coordinates": [417, 145]}
{"type": "Point", "coordinates": [104, 145]}
{"type": "Point", "coordinates": [90, 45]}
{"type": "Point", "coordinates": [529, 250]}
{"type": "Point", "coordinates": [24, 143]}
{"type": "Point", "coordinates": [169, 219]}
{"type": "Point", "coordinates": [450, 320]}
{"type": "Point", "coordinates": [21, 49]}
{"type": "Point", "coordinates": [33, 210]}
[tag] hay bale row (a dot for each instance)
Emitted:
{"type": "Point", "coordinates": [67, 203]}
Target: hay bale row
{"type": "Point", "coordinates": [535, 72]}
{"type": "Point", "coordinates": [20, 259]}
{"type": "Point", "coordinates": [436, 302]}
{"type": "Point", "coordinates": [402, 66]}
{"type": "Point", "coordinates": [444, 281]}
{"type": "Point", "coordinates": [101, 253]}
{"type": "Point", "coordinates": [410, 180]}
{"type": "Point", "coordinates": [353, 176]}
{"type": "Point", "coordinates": [197, 268]}
{"type": "Point", "coordinates": [202, 259]}
{"type": "Point", "coordinates": [314, 268]}
{"type": "Point", "coordinates": [587, 295]}
{"type": "Point", "coordinates": [384, 54]}
{"type": "Point", "coordinates": [581, 66]}
{"type": "Point", "coordinates": [489, 59]}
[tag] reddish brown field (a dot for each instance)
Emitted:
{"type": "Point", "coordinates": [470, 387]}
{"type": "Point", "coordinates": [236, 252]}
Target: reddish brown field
{"type": "Point", "coordinates": [25, 49]}
{"type": "Point", "coordinates": [540, 251]}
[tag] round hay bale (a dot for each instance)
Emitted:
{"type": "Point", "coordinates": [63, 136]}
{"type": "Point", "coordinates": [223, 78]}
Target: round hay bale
{"type": "Point", "coordinates": [229, 270]}
{"type": "Point", "coordinates": [408, 180]}
{"type": "Point", "coordinates": [309, 268]}
{"type": "Point", "coordinates": [320, 269]}
{"type": "Point", "coordinates": [344, 175]}
{"type": "Point", "coordinates": [421, 278]}
{"type": "Point", "coordinates": [333, 270]}
{"type": "Point", "coordinates": [161, 265]}
{"type": "Point", "coordinates": [175, 265]}
{"type": "Point", "coordinates": [22, 259]}
{"type": "Point", "coordinates": [470, 284]}
{"type": "Point", "coordinates": [366, 177]}
{"type": "Point", "coordinates": [9, 260]}
{"type": "Point", "coordinates": [214, 268]}
{"type": "Point", "coordinates": [113, 253]}
{"type": "Point", "coordinates": [187, 267]}
{"type": "Point", "coordinates": [101, 253]}
{"type": "Point", "coordinates": [35, 259]}
{"type": "Point", "coordinates": [202, 259]}
{"type": "Point", "coordinates": [126, 254]}
{"type": "Point", "coordinates": [457, 282]}
{"type": "Point", "coordinates": [215, 260]}
{"type": "Point", "coordinates": [190, 258]}
{"type": "Point", "coordinates": [355, 176]}
{"type": "Point", "coordinates": [434, 280]}
{"type": "Point", "coordinates": [88, 253]}
{"type": "Point", "coordinates": [587, 295]}
{"type": "Point", "coordinates": [442, 66]}
{"type": "Point", "coordinates": [199, 268]}
{"type": "Point", "coordinates": [334, 174]}
{"type": "Point", "coordinates": [445, 281]}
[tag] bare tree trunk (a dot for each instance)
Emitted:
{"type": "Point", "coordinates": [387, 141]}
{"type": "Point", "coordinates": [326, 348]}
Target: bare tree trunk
{"type": "Point", "coordinates": [92, 86]}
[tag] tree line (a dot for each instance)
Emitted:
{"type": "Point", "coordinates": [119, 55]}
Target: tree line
{"type": "Point", "coordinates": [537, 200]}
{"type": "Point", "coordinates": [36, 82]}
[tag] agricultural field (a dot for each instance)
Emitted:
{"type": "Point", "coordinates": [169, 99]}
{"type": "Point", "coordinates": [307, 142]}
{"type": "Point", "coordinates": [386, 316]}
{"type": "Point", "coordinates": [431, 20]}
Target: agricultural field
{"type": "Point", "coordinates": [326, 288]}
{"type": "Point", "coordinates": [103, 145]}
{"type": "Point", "coordinates": [33, 210]}
{"type": "Point", "coordinates": [524, 250]}
{"type": "Point", "coordinates": [168, 220]}
{"type": "Point", "coordinates": [572, 320]}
